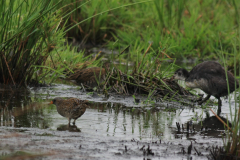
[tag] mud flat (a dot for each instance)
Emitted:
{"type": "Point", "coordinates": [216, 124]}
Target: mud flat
{"type": "Point", "coordinates": [111, 128]}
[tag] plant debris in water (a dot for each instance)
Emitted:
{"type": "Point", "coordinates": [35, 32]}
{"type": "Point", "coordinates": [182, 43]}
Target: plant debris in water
{"type": "Point", "coordinates": [135, 83]}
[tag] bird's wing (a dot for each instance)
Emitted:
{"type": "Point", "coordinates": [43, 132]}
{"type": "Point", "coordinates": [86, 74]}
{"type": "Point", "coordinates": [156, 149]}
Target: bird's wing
{"type": "Point", "coordinates": [77, 102]}
{"type": "Point", "coordinates": [207, 70]}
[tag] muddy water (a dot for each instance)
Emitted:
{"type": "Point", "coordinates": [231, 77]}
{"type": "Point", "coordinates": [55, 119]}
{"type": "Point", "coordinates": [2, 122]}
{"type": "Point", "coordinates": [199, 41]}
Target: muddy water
{"type": "Point", "coordinates": [111, 128]}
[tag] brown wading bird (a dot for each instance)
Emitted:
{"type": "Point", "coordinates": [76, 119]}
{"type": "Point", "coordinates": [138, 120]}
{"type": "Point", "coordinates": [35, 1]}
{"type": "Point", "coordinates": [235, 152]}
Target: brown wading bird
{"type": "Point", "coordinates": [71, 108]}
{"type": "Point", "coordinates": [210, 77]}
{"type": "Point", "coordinates": [89, 76]}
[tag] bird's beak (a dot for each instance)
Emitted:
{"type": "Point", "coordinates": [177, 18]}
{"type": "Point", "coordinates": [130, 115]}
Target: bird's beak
{"type": "Point", "coordinates": [172, 78]}
{"type": "Point", "coordinates": [50, 102]}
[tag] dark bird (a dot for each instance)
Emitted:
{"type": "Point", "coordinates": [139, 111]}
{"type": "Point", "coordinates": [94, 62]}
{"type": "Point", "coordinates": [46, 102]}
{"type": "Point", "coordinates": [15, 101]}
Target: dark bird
{"type": "Point", "coordinates": [210, 77]}
{"type": "Point", "coordinates": [71, 108]}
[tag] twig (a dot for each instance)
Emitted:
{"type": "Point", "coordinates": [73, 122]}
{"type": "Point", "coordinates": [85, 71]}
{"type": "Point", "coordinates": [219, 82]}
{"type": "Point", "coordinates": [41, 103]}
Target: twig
{"type": "Point", "coordinates": [104, 87]}
{"type": "Point", "coordinates": [190, 148]}
{"type": "Point", "coordinates": [115, 89]}
{"type": "Point", "coordinates": [123, 50]}
{"type": "Point", "coordinates": [166, 54]}
{"type": "Point", "coordinates": [198, 153]}
{"type": "Point", "coordinates": [238, 116]}
{"type": "Point", "coordinates": [8, 69]}
{"type": "Point", "coordinates": [178, 126]}
{"type": "Point", "coordinates": [145, 54]}
{"type": "Point", "coordinates": [221, 120]}
{"type": "Point", "coordinates": [83, 87]}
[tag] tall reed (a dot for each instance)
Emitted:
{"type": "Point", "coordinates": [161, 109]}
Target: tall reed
{"type": "Point", "coordinates": [231, 141]}
{"type": "Point", "coordinates": [29, 31]}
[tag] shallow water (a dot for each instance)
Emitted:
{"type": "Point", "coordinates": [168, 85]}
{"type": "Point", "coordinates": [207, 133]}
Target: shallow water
{"type": "Point", "coordinates": [108, 125]}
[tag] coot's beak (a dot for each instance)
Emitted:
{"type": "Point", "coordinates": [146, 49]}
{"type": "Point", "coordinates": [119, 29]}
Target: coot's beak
{"type": "Point", "coordinates": [50, 102]}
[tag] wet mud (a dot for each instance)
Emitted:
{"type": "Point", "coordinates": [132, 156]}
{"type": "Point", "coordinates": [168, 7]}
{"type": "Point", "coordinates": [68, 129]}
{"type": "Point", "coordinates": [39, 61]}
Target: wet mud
{"type": "Point", "coordinates": [115, 127]}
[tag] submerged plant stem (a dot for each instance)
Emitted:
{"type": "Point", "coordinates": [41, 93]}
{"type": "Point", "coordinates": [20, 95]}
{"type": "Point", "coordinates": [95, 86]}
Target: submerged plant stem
{"type": "Point", "coordinates": [221, 120]}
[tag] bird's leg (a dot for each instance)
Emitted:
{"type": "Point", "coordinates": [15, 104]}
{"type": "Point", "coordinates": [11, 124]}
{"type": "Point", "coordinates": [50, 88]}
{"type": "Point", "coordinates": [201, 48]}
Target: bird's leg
{"type": "Point", "coordinates": [69, 120]}
{"type": "Point", "coordinates": [74, 121]}
{"type": "Point", "coordinates": [219, 106]}
{"type": "Point", "coordinates": [205, 99]}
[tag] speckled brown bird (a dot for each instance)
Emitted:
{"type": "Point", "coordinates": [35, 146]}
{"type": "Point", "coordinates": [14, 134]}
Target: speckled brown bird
{"type": "Point", "coordinates": [88, 76]}
{"type": "Point", "coordinates": [71, 108]}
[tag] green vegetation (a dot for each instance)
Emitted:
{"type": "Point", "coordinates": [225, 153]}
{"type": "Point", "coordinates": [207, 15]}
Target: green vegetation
{"type": "Point", "coordinates": [170, 110]}
{"type": "Point", "coordinates": [43, 40]}
{"type": "Point", "coordinates": [180, 29]}
{"type": "Point", "coordinates": [231, 138]}
{"type": "Point", "coordinates": [33, 33]}
{"type": "Point", "coordinates": [29, 32]}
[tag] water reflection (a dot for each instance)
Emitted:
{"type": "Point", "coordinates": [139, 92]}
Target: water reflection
{"type": "Point", "coordinates": [13, 97]}
{"type": "Point", "coordinates": [100, 119]}
{"type": "Point", "coordinates": [70, 128]}
{"type": "Point", "coordinates": [210, 126]}
{"type": "Point", "coordinates": [32, 115]}
{"type": "Point", "coordinates": [19, 109]}
{"type": "Point", "coordinates": [112, 119]}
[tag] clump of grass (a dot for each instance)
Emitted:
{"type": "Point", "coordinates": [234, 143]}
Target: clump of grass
{"type": "Point", "coordinates": [29, 32]}
{"type": "Point", "coordinates": [66, 61]}
{"type": "Point", "coordinates": [182, 28]}
{"type": "Point", "coordinates": [95, 21]}
{"type": "Point", "coordinates": [146, 77]}
{"type": "Point", "coordinates": [231, 141]}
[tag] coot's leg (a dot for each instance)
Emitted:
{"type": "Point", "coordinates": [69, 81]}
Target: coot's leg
{"type": "Point", "coordinates": [219, 106]}
{"type": "Point", "coordinates": [205, 99]}
{"type": "Point", "coordinates": [69, 120]}
{"type": "Point", "coordinates": [74, 121]}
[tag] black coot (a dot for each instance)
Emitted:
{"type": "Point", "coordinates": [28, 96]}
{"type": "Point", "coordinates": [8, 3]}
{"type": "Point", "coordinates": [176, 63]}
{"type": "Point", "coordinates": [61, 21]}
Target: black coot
{"type": "Point", "coordinates": [210, 77]}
